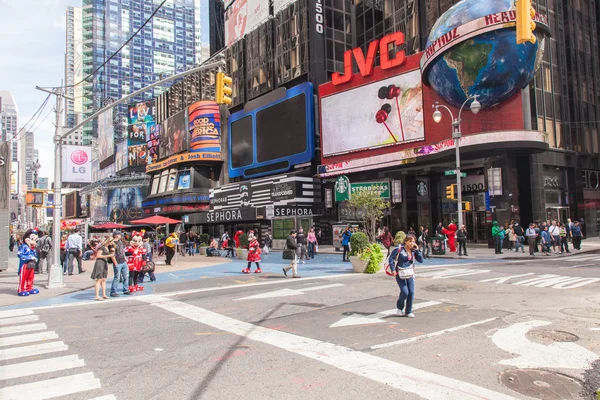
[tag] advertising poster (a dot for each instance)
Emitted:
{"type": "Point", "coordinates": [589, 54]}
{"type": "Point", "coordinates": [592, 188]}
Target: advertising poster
{"type": "Point", "coordinates": [137, 155]}
{"type": "Point", "coordinates": [242, 16]}
{"type": "Point", "coordinates": [174, 136]}
{"type": "Point", "coordinates": [136, 134]}
{"type": "Point", "coordinates": [98, 211]}
{"type": "Point", "coordinates": [76, 164]}
{"type": "Point", "coordinates": [125, 204]}
{"type": "Point", "coordinates": [141, 112]}
{"type": "Point", "coordinates": [14, 177]}
{"type": "Point", "coordinates": [106, 136]}
{"type": "Point", "coordinates": [152, 142]}
{"type": "Point", "coordinates": [184, 181]}
{"type": "Point", "coordinates": [383, 113]}
{"type": "Point", "coordinates": [121, 159]}
{"type": "Point", "coordinates": [50, 203]}
{"type": "Point", "coordinates": [204, 122]}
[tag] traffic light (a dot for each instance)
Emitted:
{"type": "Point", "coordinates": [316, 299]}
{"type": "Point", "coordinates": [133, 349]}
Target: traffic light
{"type": "Point", "coordinates": [467, 206]}
{"type": "Point", "coordinates": [451, 192]}
{"type": "Point", "coordinates": [223, 89]}
{"type": "Point", "coordinates": [525, 22]}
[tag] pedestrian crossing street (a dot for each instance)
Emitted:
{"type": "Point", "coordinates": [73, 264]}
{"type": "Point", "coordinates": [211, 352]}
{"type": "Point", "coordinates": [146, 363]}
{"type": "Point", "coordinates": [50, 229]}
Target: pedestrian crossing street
{"type": "Point", "coordinates": [29, 350]}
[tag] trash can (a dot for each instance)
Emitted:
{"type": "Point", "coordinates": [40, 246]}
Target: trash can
{"type": "Point", "coordinates": [438, 245]}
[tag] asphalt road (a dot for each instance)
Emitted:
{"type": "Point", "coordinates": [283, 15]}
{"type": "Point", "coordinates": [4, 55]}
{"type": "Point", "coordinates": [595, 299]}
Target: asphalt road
{"type": "Point", "coordinates": [482, 331]}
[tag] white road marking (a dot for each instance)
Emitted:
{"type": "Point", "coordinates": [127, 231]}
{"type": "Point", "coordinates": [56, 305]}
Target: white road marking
{"type": "Point", "coordinates": [534, 355]}
{"type": "Point", "coordinates": [578, 266]}
{"type": "Point", "coordinates": [22, 328]}
{"type": "Point", "coordinates": [557, 281]}
{"type": "Point", "coordinates": [19, 320]}
{"type": "Point", "coordinates": [109, 397]}
{"type": "Point", "coordinates": [33, 350]}
{"type": "Point", "coordinates": [582, 258]}
{"type": "Point", "coordinates": [576, 283]}
{"type": "Point", "coordinates": [359, 319]}
{"type": "Point", "coordinates": [505, 279]}
{"type": "Point", "coordinates": [15, 313]}
{"type": "Point", "coordinates": [432, 334]}
{"type": "Point", "coordinates": [425, 384]}
{"type": "Point", "coordinates": [451, 273]}
{"type": "Point", "coordinates": [289, 292]}
{"type": "Point", "coordinates": [39, 367]}
{"type": "Point", "coordinates": [30, 338]}
{"type": "Point", "coordinates": [51, 388]}
{"type": "Point", "coordinates": [594, 329]}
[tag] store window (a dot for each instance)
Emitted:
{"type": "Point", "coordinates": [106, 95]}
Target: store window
{"type": "Point", "coordinates": [164, 177]}
{"type": "Point", "coordinates": [172, 180]}
{"type": "Point", "coordinates": [282, 228]}
{"type": "Point", "coordinates": [183, 181]}
{"type": "Point", "coordinates": [155, 184]}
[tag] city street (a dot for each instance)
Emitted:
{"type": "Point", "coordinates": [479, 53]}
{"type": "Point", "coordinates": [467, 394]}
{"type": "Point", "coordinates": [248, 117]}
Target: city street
{"type": "Point", "coordinates": [483, 330]}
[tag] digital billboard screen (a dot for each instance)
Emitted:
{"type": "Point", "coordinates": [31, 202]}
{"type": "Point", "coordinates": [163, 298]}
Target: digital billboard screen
{"type": "Point", "coordinates": [141, 112]}
{"type": "Point", "coordinates": [125, 204]}
{"type": "Point", "coordinates": [273, 137]}
{"type": "Point", "coordinates": [174, 135]}
{"type": "Point", "coordinates": [106, 137]}
{"type": "Point", "coordinates": [242, 16]}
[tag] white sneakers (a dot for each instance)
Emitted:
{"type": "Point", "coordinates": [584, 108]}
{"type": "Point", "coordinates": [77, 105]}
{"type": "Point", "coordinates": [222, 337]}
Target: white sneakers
{"type": "Point", "coordinates": [399, 313]}
{"type": "Point", "coordinates": [411, 315]}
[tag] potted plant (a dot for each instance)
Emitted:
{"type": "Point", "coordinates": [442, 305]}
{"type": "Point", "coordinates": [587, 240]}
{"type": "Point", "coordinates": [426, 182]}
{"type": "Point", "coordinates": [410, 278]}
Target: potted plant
{"type": "Point", "coordinates": [242, 250]}
{"type": "Point", "coordinates": [374, 257]}
{"type": "Point", "coordinates": [204, 238]}
{"type": "Point", "coordinates": [359, 242]}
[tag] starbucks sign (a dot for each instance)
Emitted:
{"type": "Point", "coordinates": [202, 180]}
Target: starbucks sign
{"type": "Point", "coordinates": [383, 188]}
{"type": "Point", "coordinates": [342, 188]}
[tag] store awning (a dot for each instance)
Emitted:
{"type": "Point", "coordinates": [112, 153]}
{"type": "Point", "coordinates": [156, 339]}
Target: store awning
{"type": "Point", "coordinates": [155, 220]}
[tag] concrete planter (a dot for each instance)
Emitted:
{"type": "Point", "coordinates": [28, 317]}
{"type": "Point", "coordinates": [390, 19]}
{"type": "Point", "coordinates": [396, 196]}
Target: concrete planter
{"type": "Point", "coordinates": [202, 250]}
{"type": "Point", "coordinates": [358, 265]}
{"type": "Point", "coordinates": [242, 254]}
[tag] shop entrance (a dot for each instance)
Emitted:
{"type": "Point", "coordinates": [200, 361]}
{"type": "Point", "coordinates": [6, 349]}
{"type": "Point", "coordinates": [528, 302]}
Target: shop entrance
{"type": "Point", "coordinates": [558, 214]}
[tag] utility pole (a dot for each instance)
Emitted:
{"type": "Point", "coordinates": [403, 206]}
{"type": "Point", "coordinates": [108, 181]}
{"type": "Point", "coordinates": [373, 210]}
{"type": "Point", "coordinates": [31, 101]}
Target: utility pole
{"type": "Point", "coordinates": [55, 275]}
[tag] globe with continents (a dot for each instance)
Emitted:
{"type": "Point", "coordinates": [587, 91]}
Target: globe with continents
{"type": "Point", "coordinates": [458, 62]}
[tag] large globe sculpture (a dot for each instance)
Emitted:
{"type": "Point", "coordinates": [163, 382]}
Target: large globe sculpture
{"type": "Point", "coordinates": [472, 50]}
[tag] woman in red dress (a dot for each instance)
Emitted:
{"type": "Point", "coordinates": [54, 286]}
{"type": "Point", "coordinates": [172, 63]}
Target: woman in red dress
{"type": "Point", "coordinates": [253, 254]}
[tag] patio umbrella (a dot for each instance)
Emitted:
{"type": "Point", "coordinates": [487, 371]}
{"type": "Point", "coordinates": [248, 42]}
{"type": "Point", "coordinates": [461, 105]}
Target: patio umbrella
{"type": "Point", "coordinates": [155, 220]}
{"type": "Point", "coordinates": [110, 225]}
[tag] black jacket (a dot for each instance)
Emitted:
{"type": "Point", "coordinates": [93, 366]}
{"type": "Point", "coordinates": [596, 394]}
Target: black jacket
{"type": "Point", "coordinates": [301, 238]}
{"type": "Point", "coordinates": [461, 235]}
{"type": "Point", "coordinates": [290, 243]}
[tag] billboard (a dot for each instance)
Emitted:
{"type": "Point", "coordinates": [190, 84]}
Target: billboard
{"type": "Point", "coordinates": [204, 123]}
{"type": "Point", "coordinates": [14, 177]}
{"type": "Point", "coordinates": [152, 143]}
{"type": "Point", "coordinates": [106, 137]}
{"type": "Point", "coordinates": [136, 140]}
{"type": "Point", "coordinates": [141, 112]}
{"type": "Point", "coordinates": [273, 137]}
{"type": "Point", "coordinates": [50, 204]}
{"type": "Point", "coordinates": [383, 113]}
{"type": "Point", "coordinates": [121, 159]}
{"type": "Point", "coordinates": [125, 204]}
{"type": "Point", "coordinates": [242, 16]}
{"type": "Point", "coordinates": [173, 135]}
{"type": "Point", "coordinates": [76, 164]}
{"type": "Point", "coordinates": [137, 155]}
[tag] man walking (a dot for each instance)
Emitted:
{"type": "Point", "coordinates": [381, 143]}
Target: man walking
{"type": "Point", "coordinates": [120, 268]}
{"type": "Point", "coordinates": [576, 232]}
{"type": "Point", "coordinates": [170, 247]}
{"type": "Point", "coordinates": [291, 244]}
{"type": "Point", "coordinates": [496, 237]}
{"type": "Point", "coordinates": [74, 248]}
{"type": "Point", "coordinates": [43, 247]}
{"type": "Point", "coordinates": [183, 239]}
{"type": "Point", "coordinates": [531, 238]}
{"type": "Point", "coordinates": [301, 240]}
{"type": "Point", "coordinates": [518, 229]}
{"type": "Point", "coordinates": [554, 231]}
{"type": "Point", "coordinates": [461, 238]}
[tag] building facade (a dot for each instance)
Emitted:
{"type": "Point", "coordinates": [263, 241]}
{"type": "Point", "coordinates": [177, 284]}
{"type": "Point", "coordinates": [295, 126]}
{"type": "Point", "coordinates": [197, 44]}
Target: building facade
{"type": "Point", "coordinates": [9, 117]}
{"type": "Point", "coordinates": [27, 159]}
{"type": "Point", "coordinates": [74, 74]}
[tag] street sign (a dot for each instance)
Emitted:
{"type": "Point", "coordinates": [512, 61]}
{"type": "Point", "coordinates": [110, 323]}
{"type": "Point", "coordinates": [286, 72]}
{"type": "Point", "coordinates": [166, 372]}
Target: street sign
{"type": "Point", "coordinates": [453, 172]}
{"type": "Point", "coordinates": [342, 188]}
{"type": "Point", "coordinates": [383, 188]}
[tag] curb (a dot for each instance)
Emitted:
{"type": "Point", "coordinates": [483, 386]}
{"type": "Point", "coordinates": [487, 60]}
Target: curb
{"type": "Point", "coordinates": [509, 258]}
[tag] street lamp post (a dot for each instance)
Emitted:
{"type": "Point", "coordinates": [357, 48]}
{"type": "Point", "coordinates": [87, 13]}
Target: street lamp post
{"type": "Point", "coordinates": [456, 135]}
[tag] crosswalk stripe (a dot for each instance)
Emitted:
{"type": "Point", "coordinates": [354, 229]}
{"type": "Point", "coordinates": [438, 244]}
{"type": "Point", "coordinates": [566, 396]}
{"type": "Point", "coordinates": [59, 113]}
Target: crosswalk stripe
{"type": "Point", "coordinates": [108, 397]}
{"type": "Point", "coordinates": [15, 313]}
{"type": "Point", "coordinates": [30, 338]}
{"type": "Point", "coordinates": [22, 328]}
{"type": "Point", "coordinates": [33, 350]}
{"type": "Point", "coordinates": [39, 367]}
{"type": "Point", "coordinates": [582, 258]}
{"type": "Point", "coordinates": [19, 320]}
{"type": "Point", "coordinates": [51, 388]}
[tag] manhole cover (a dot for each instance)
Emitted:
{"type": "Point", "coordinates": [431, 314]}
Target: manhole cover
{"type": "Point", "coordinates": [446, 288]}
{"type": "Point", "coordinates": [593, 313]}
{"type": "Point", "coordinates": [550, 336]}
{"type": "Point", "coordinates": [541, 384]}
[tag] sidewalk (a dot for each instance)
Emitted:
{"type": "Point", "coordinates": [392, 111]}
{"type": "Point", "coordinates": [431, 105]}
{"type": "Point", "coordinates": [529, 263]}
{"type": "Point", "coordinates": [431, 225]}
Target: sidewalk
{"type": "Point", "coordinates": [79, 282]}
{"type": "Point", "coordinates": [481, 251]}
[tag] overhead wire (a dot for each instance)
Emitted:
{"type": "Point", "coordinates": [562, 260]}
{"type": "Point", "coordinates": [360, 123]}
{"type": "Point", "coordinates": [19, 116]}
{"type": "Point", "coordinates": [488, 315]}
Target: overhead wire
{"type": "Point", "coordinates": [37, 114]}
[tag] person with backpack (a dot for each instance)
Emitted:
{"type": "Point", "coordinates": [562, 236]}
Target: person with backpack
{"type": "Point", "coordinates": [386, 240]}
{"type": "Point", "coordinates": [43, 248]}
{"type": "Point", "coordinates": [402, 267]}
{"type": "Point", "coordinates": [520, 234]}
{"type": "Point", "coordinates": [346, 235]}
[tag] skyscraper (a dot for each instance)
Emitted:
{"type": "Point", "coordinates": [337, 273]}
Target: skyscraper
{"type": "Point", "coordinates": [9, 113]}
{"type": "Point", "coordinates": [27, 159]}
{"type": "Point", "coordinates": [171, 42]}
{"type": "Point", "coordinates": [74, 73]}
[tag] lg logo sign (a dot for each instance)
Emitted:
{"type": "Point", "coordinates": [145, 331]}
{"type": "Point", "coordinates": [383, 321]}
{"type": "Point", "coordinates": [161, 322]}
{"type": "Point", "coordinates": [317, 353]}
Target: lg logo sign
{"type": "Point", "coordinates": [79, 158]}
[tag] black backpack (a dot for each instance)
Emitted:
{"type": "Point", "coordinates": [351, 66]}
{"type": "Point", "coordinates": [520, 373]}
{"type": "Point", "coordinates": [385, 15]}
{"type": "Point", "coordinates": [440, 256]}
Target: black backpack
{"type": "Point", "coordinates": [518, 230]}
{"type": "Point", "coordinates": [45, 249]}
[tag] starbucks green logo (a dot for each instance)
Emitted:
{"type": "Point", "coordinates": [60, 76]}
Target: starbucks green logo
{"type": "Point", "coordinates": [342, 188]}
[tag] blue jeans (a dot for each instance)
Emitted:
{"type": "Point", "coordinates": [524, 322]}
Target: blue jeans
{"type": "Point", "coordinates": [519, 243]}
{"type": "Point", "coordinates": [120, 269]}
{"type": "Point", "coordinates": [407, 293]}
{"type": "Point", "coordinates": [311, 250]}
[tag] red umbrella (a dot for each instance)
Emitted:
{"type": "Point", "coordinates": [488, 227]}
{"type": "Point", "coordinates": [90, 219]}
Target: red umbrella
{"type": "Point", "coordinates": [155, 220]}
{"type": "Point", "coordinates": [110, 225]}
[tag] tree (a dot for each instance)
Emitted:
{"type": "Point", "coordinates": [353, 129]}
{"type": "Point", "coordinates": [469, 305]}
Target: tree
{"type": "Point", "coordinates": [369, 210]}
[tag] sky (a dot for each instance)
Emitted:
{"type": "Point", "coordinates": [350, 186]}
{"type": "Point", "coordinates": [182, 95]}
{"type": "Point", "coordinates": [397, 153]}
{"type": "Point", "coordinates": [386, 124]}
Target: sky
{"type": "Point", "coordinates": [32, 49]}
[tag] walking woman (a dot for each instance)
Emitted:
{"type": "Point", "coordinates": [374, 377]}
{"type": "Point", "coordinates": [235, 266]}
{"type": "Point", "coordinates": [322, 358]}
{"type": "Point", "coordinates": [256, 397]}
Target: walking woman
{"type": "Point", "coordinates": [386, 240]}
{"type": "Point", "coordinates": [402, 262]}
{"type": "Point", "coordinates": [312, 243]}
{"type": "Point", "coordinates": [100, 271]}
{"type": "Point", "coordinates": [346, 243]}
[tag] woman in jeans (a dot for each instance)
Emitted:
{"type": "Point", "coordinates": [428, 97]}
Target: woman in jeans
{"type": "Point", "coordinates": [386, 240]}
{"type": "Point", "coordinates": [312, 242]}
{"type": "Point", "coordinates": [401, 261]}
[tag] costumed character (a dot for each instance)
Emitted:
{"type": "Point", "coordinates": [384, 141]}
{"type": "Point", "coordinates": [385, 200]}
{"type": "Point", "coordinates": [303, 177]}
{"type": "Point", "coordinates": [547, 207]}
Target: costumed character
{"type": "Point", "coordinates": [236, 238]}
{"type": "Point", "coordinates": [135, 261]}
{"type": "Point", "coordinates": [253, 254]}
{"type": "Point", "coordinates": [450, 233]}
{"type": "Point", "coordinates": [27, 260]}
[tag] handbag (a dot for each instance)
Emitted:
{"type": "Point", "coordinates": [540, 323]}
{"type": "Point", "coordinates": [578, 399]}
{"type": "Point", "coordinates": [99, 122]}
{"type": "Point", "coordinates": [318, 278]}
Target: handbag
{"type": "Point", "coordinates": [265, 250]}
{"type": "Point", "coordinates": [30, 264]}
{"type": "Point", "coordinates": [316, 248]}
{"type": "Point", "coordinates": [148, 267]}
{"type": "Point", "coordinates": [289, 254]}
{"type": "Point", "coordinates": [406, 273]}
{"type": "Point", "coordinates": [387, 267]}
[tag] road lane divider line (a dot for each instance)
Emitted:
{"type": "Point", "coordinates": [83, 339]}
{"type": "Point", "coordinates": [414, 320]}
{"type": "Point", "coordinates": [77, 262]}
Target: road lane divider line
{"type": "Point", "coordinates": [40, 367]}
{"type": "Point", "coordinates": [51, 388]}
{"type": "Point", "coordinates": [22, 328]}
{"type": "Point", "coordinates": [432, 334]}
{"type": "Point", "coordinates": [402, 377]}
{"type": "Point", "coordinates": [33, 350]}
{"type": "Point", "coordinates": [29, 338]}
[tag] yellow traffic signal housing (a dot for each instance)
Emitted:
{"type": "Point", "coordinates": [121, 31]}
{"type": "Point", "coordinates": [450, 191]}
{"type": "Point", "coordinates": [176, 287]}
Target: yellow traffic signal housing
{"type": "Point", "coordinates": [467, 206]}
{"type": "Point", "coordinates": [223, 89]}
{"type": "Point", "coordinates": [451, 192]}
{"type": "Point", "coordinates": [525, 22]}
